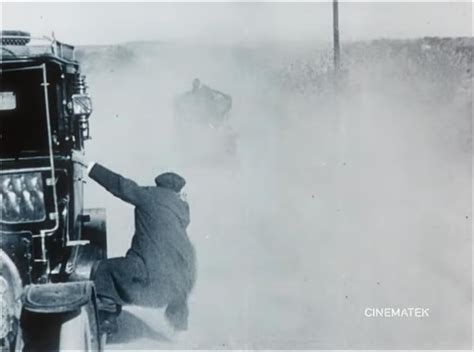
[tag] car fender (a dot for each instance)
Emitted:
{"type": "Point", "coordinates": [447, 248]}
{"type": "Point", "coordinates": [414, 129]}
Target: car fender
{"type": "Point", "coordinates": [57, 297]}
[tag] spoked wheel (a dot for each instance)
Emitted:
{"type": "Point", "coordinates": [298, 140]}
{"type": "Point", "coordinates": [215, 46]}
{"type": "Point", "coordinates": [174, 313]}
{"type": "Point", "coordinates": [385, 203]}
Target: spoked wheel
{"type": "Point", "coordinates": [12, 343]}
{"type": "Point", "coordinates": [12, 339]}
{"type": "Point", "coordinates": [80, 331]}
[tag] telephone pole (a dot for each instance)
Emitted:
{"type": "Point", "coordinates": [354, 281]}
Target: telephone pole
{"type": "Point", "coordinates": [337, 49]}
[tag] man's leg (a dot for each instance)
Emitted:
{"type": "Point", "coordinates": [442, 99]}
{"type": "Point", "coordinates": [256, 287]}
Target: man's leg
{"type": "Point", "coordinates": [115, 280]}
{"type": "Point", "coordinates": [177, 313]}
{"type": "Point", "coordinates": [108, 314]}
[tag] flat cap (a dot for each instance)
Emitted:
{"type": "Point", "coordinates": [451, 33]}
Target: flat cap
{"type": "Point", "coordinates": [171, 181]}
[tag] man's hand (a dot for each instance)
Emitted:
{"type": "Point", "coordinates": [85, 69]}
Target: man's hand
{"type": "Point", "coordinates": [79, 159]}
{"type": "Point", "coordinates": [84, 164]}
{"type": "Point", "coordinates": [89, 166]}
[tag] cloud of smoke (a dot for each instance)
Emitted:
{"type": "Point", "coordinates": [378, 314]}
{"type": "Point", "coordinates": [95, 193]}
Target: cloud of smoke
{"type": "Point", "coordinates": [332, 202]}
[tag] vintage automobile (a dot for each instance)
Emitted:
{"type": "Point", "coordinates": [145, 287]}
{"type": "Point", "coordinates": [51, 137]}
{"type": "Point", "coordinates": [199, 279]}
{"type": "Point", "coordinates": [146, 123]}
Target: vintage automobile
{"type": "Point", "coordinates": [202, 128]}
{"type": "Point", "coordinates": [49, 243]}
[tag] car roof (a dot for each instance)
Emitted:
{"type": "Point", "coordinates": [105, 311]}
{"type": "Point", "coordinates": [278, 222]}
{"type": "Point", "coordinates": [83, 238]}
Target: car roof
{"type": "Point", "coordinates": [19, 46]}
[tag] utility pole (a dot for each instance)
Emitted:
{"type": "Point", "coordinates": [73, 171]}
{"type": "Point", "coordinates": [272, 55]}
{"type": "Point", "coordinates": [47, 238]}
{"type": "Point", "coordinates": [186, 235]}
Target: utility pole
{"type": "Point", "coordinates": [340, 172]}
{"type": "Point", "coordinates": [337, 49]}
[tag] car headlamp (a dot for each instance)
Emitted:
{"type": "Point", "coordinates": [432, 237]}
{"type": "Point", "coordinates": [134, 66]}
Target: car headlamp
{"type": "Point", "coordinates": [22, 197]}
{"type": "Point", "coordinates": [81, 104]}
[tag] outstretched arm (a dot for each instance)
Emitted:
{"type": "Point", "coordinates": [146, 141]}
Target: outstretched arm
{"type": "Point", "coordinates": [119, 186]}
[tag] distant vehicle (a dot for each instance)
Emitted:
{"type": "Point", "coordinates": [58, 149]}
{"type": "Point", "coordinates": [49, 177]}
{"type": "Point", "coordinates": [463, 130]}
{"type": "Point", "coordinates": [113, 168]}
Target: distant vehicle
{"type": "Point", "coordinates": [202, 121]}
{"type": "Point", "coordinates": [204, 105]}
{"type": "Point", "coordinates": [49, 243]}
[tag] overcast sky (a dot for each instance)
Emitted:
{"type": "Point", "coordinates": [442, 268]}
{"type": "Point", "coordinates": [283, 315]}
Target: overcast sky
{"type": "Point", "coordinates": [103, 23]}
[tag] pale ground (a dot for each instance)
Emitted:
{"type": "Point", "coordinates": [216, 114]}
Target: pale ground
{"type": "Point", "coordinates": [311, 222]}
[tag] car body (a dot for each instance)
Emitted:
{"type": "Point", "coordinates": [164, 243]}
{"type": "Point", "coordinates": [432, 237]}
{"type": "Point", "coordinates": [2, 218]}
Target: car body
{"type": "Point", "coordinates": [49, 242]}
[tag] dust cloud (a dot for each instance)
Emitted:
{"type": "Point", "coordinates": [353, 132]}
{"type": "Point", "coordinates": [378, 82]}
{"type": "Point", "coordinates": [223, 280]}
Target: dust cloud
{"type": "Point", "coordinates": [335, 201]}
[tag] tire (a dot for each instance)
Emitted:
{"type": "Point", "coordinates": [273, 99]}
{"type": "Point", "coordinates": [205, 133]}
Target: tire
{"type": "Point", "coordinates": [80, 332]}
{"type": "Point", "coordinates": [40, 331]}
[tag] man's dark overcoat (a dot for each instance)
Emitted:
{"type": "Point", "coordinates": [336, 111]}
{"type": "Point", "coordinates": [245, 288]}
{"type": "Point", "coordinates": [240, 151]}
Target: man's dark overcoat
{"type": "Point", "coordinates": [159, 268]}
